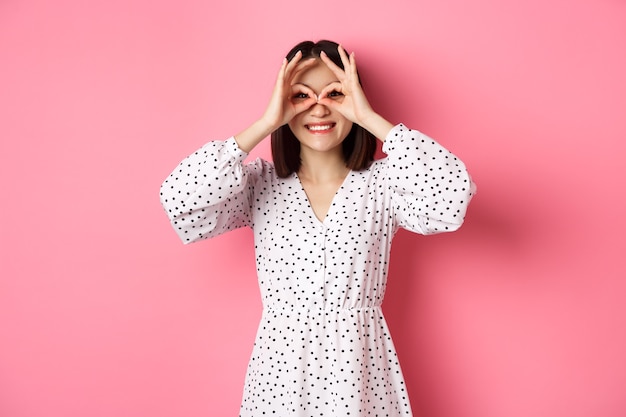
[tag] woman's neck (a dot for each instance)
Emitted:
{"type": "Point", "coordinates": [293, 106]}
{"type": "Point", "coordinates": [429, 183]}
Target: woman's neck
{"type": "Point", "coordinates": [319, 167]}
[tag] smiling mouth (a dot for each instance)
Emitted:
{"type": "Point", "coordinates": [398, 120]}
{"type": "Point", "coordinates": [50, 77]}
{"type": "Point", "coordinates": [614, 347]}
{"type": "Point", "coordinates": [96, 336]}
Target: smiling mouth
{"type": "Point", "coordinates": [320, 128]}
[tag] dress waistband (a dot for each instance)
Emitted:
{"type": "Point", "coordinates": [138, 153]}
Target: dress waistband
{"type": "Point", "coordinates": [327, 310]}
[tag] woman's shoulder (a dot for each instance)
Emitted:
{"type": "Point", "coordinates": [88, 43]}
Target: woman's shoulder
{"type": "Point", "coordinates": [377, 165]}
{"type": "Point", "coordinates": [373, 174]}
{"type": "Point", "coordinates": [262, 171]}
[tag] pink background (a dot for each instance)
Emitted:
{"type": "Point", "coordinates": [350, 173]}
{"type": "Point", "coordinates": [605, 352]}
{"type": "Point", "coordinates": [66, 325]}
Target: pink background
{"type": "Point", "coordinates": [103, 312]}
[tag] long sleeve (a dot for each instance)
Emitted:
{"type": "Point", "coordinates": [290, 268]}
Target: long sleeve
{"type": "Point", "coordinates": [430, 187]}
{"type": "Point", "coordinates": [209, 192]}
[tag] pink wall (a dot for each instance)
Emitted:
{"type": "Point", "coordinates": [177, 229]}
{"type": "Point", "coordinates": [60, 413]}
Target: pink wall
{"type": "Point", "coordinates": [104, 313]}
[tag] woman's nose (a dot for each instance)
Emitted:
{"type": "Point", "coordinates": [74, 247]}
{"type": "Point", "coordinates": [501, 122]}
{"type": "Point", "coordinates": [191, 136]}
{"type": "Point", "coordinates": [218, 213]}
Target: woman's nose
{"type": "Point", "coordinates": [319, 110]}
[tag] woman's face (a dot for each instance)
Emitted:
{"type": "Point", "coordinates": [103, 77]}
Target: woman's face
{"type": "Point", "coordinates": [319, 128]}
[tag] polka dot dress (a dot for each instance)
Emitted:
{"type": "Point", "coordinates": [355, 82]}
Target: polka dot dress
{"type": "Point", "coordinates": [323, 347]}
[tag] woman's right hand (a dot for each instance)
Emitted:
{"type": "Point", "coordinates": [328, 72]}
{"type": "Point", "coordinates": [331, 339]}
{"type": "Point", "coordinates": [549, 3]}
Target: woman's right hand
{"type": "Point", "coordinates": [282, 108]}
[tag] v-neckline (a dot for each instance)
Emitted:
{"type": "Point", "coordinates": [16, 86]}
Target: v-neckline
{"type": "Point", "coordinates": [332, 201]}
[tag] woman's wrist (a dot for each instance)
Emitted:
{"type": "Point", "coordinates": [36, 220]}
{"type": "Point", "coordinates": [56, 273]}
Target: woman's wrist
{"type": "Point", "coordinates": [253, 135]}
{"type": "Point", "coordinates": [376, 125]}
{"type": "Point", "coordinates": [264, 127]}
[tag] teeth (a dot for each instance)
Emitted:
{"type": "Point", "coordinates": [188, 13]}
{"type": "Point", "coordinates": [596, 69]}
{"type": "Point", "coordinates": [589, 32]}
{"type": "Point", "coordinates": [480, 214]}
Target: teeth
{"type": "Point", "coordinates": [324, 127]}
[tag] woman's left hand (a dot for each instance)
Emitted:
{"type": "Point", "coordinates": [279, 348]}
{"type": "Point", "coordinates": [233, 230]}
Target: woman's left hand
{"type": "Point", "coordinates": [346, 95]}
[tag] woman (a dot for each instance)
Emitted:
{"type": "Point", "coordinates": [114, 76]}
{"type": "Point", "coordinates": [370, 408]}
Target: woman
{"type": "Point", "coordinates": [323, 215]}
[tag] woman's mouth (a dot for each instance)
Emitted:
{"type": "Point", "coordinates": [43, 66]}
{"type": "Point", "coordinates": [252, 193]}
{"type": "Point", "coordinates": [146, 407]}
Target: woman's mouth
{"type": "Point", "coordinates": [320, 127]}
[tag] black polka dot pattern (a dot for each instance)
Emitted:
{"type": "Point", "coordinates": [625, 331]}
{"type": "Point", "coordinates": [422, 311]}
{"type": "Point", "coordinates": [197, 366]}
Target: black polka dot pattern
{"type": "Point", "coordinates": [323, 347]}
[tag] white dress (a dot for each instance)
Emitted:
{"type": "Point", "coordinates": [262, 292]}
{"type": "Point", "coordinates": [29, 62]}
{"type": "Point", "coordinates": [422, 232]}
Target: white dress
{"type": "Point", "coordinates": [322, 347]}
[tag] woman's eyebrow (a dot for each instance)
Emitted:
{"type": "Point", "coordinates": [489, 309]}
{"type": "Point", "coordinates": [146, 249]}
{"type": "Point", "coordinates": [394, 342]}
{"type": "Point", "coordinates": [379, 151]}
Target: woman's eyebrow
{"type": "Point", "coordinates": [307, 86]}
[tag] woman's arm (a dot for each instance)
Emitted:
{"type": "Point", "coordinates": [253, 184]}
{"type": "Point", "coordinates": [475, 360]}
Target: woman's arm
{"type": "Point", "coordinates": [430, 187]}
{"type": "Point", "coordinates": [209, 192]}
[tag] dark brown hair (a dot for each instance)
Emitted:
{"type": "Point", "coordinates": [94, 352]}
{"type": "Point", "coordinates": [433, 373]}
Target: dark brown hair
{"type": "Point", "coordinates": [358, 147]}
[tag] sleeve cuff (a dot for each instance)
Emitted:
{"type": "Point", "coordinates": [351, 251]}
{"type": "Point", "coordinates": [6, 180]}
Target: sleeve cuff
{"type": "Point", "coordinates": [234, 150]}
{"type": "Point", "coordinates": [394, 135]}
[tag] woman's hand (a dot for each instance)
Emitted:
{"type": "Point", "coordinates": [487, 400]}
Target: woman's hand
{"type": "Point", "coordinates": [282, 108]}
{"type": "Point", "coordinates": [354, 106]}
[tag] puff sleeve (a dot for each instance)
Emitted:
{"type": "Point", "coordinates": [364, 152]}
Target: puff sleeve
{"type": "Point", "coordinates": [430, 187]}
{"type": "Point", "coordinates": [209, 192]}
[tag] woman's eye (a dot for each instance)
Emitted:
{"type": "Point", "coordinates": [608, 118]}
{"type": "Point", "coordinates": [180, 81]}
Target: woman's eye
{"type": "Point", "coordinates": [301, 96]}
{"type": "Point", "coordinates": [335, 94]}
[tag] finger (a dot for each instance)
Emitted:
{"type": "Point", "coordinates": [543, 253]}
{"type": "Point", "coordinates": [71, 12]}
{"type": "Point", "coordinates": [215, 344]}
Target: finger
{"type": "Point", "coordinates": [329, 102]}
{"type": "Point", "coordinates": [293, 63]}
{"type": "Point", "coordinates": [302, 66]}
{"type": "Point", "coordinates": [305, 64]}
{"type": "Point", "coordinates": [297, 89]}
{"type": "Point", "coordinates": [353, 71]}
{"type": "Point", "coordinates": [332, 102]}
{"type": "Point", "coordinates": [336, 69]}
{"type": "Point", "coordinates": [302, 97]}
{"type": "Point", "coordinates": [304, 105]}
{"type": "Point", "coordinates": [281, 71]}
{"type": "Point", "coordinates": [344, 59]}
{"type": "Point", "coordinates": [349, 63]}
{"type": "Point", "coordinates": [335, 86]}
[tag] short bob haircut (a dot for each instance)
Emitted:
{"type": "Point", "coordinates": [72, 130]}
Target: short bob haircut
{"type": "Point", "coordinates": [358, 147]}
